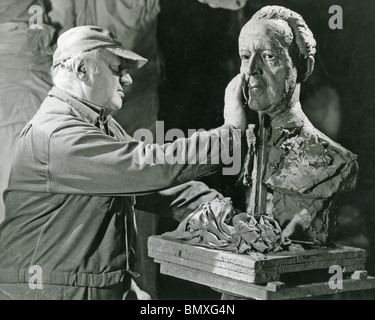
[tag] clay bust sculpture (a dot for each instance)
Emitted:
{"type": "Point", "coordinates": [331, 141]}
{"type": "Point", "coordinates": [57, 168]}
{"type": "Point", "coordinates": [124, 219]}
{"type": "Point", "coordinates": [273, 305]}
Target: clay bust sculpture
{"type": "Point", "coordinates": [293, 170]}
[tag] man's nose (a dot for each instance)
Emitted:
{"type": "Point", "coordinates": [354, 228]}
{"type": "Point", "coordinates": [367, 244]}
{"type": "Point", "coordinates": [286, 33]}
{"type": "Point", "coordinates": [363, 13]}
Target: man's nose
{"type": "Point", "coordinates": [126, 79]}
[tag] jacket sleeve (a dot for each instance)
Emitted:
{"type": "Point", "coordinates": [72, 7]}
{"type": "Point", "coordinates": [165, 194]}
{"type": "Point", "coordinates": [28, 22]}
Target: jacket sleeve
{"type": "Point", "coordinates": [83, 160]}
{"type": "Point", "coordinates": [178, 202]}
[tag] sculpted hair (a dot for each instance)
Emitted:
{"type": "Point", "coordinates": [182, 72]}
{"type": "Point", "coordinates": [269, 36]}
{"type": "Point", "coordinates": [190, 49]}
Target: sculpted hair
{"type": "Point", "coordinates": [303, 36]}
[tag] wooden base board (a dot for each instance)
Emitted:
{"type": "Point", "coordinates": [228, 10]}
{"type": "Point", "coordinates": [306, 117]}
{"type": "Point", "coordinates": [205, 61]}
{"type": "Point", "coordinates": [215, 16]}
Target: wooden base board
{"type": "Point", "coordinates": [255, 277]}
{"type": "Point", "coordinates": [253, 269]}
{"type": "Point", "coordinates": [233, 289]}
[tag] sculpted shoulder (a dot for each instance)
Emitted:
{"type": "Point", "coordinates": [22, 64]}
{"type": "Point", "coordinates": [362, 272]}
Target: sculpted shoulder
{"type": "Point", "coordinates": [305, 161]}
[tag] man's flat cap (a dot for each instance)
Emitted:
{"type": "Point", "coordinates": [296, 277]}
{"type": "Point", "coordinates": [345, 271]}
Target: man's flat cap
{"type": "Point", "coordinates": [86, 38]}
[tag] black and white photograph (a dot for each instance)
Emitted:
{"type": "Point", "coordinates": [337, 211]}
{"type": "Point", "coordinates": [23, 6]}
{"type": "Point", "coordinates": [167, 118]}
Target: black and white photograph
{"type": "Point", "coordinates": [202, 151]}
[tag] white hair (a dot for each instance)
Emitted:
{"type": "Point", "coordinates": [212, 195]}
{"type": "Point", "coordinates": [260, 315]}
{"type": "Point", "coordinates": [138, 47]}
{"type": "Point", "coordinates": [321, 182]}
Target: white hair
{"type": "Point", "coordinates": [62, 74]}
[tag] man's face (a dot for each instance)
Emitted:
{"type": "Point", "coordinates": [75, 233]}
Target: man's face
{"type": "Point", "coordinates": [265, 61]}
{"type": "Point", "coordinates": [107, 85]}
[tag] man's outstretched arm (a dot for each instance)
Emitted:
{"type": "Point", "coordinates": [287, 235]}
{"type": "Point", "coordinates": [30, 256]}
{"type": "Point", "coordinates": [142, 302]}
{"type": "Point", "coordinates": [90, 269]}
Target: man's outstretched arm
{"type": "Point", "coordinates": [178, 202]}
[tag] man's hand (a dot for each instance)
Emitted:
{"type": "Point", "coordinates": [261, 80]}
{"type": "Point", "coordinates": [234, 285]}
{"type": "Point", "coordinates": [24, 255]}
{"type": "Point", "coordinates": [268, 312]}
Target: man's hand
{"type": "Point", "coordinates": [234, 112]}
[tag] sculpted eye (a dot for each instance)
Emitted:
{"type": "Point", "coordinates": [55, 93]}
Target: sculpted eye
{"type": "Point", "coordinates": [268, 56]}
{"type": "Point", "coordinates": [245, 57]}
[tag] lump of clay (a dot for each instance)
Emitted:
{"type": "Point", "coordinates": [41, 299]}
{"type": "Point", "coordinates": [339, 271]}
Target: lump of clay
{"type": "Point", "coordinates": [209, 225]}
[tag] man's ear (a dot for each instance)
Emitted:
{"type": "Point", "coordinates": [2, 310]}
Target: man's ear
{"type": "Point", "coordinates": [80, 69]}
{"type": "Point", "coordinates": [310, 63]}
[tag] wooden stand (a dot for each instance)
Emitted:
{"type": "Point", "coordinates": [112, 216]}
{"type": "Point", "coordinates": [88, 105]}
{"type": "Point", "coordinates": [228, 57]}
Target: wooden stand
{"type": "Point", "coordinates": [284, 275]}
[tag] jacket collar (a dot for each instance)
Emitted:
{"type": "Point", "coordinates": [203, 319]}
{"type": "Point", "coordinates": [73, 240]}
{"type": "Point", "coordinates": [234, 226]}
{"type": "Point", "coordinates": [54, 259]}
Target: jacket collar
{"type": "Point", "coordinates": [92, 112]}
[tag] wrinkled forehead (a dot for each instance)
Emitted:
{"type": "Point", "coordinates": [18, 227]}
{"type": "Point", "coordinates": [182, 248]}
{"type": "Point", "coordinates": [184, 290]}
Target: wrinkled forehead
{"type": "Point", "coordinates": [276, 33]}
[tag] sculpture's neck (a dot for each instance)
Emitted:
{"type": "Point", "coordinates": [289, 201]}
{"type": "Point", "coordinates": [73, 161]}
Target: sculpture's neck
{"type": "Point", "coordinates": [288, 113]}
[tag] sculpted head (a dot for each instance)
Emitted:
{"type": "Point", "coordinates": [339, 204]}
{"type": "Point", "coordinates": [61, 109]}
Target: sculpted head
{"type": "Point", "coordinates": [277, 50]}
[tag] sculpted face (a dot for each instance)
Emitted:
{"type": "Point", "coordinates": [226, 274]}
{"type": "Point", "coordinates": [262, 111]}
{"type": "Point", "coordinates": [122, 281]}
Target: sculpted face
{"type": "Point", "coordinates": [269, 71]}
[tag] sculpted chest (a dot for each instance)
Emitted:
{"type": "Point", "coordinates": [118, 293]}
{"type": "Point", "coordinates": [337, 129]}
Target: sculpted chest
{"type": "Point", "coordinates": [294, 171]}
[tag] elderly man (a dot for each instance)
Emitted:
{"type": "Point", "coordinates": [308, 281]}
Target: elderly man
{"type": "Point", "coordinates": [69, 204]}
{"type": "Point", "coordinates": [293, 168]}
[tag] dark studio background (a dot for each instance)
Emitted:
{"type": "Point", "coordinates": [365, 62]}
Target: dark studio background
{"type": "Point", "coordinates": [200, 50]}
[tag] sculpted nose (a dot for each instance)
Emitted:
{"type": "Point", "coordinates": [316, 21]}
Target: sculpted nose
{"type": "Point", "coordinates": [253, 66]}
